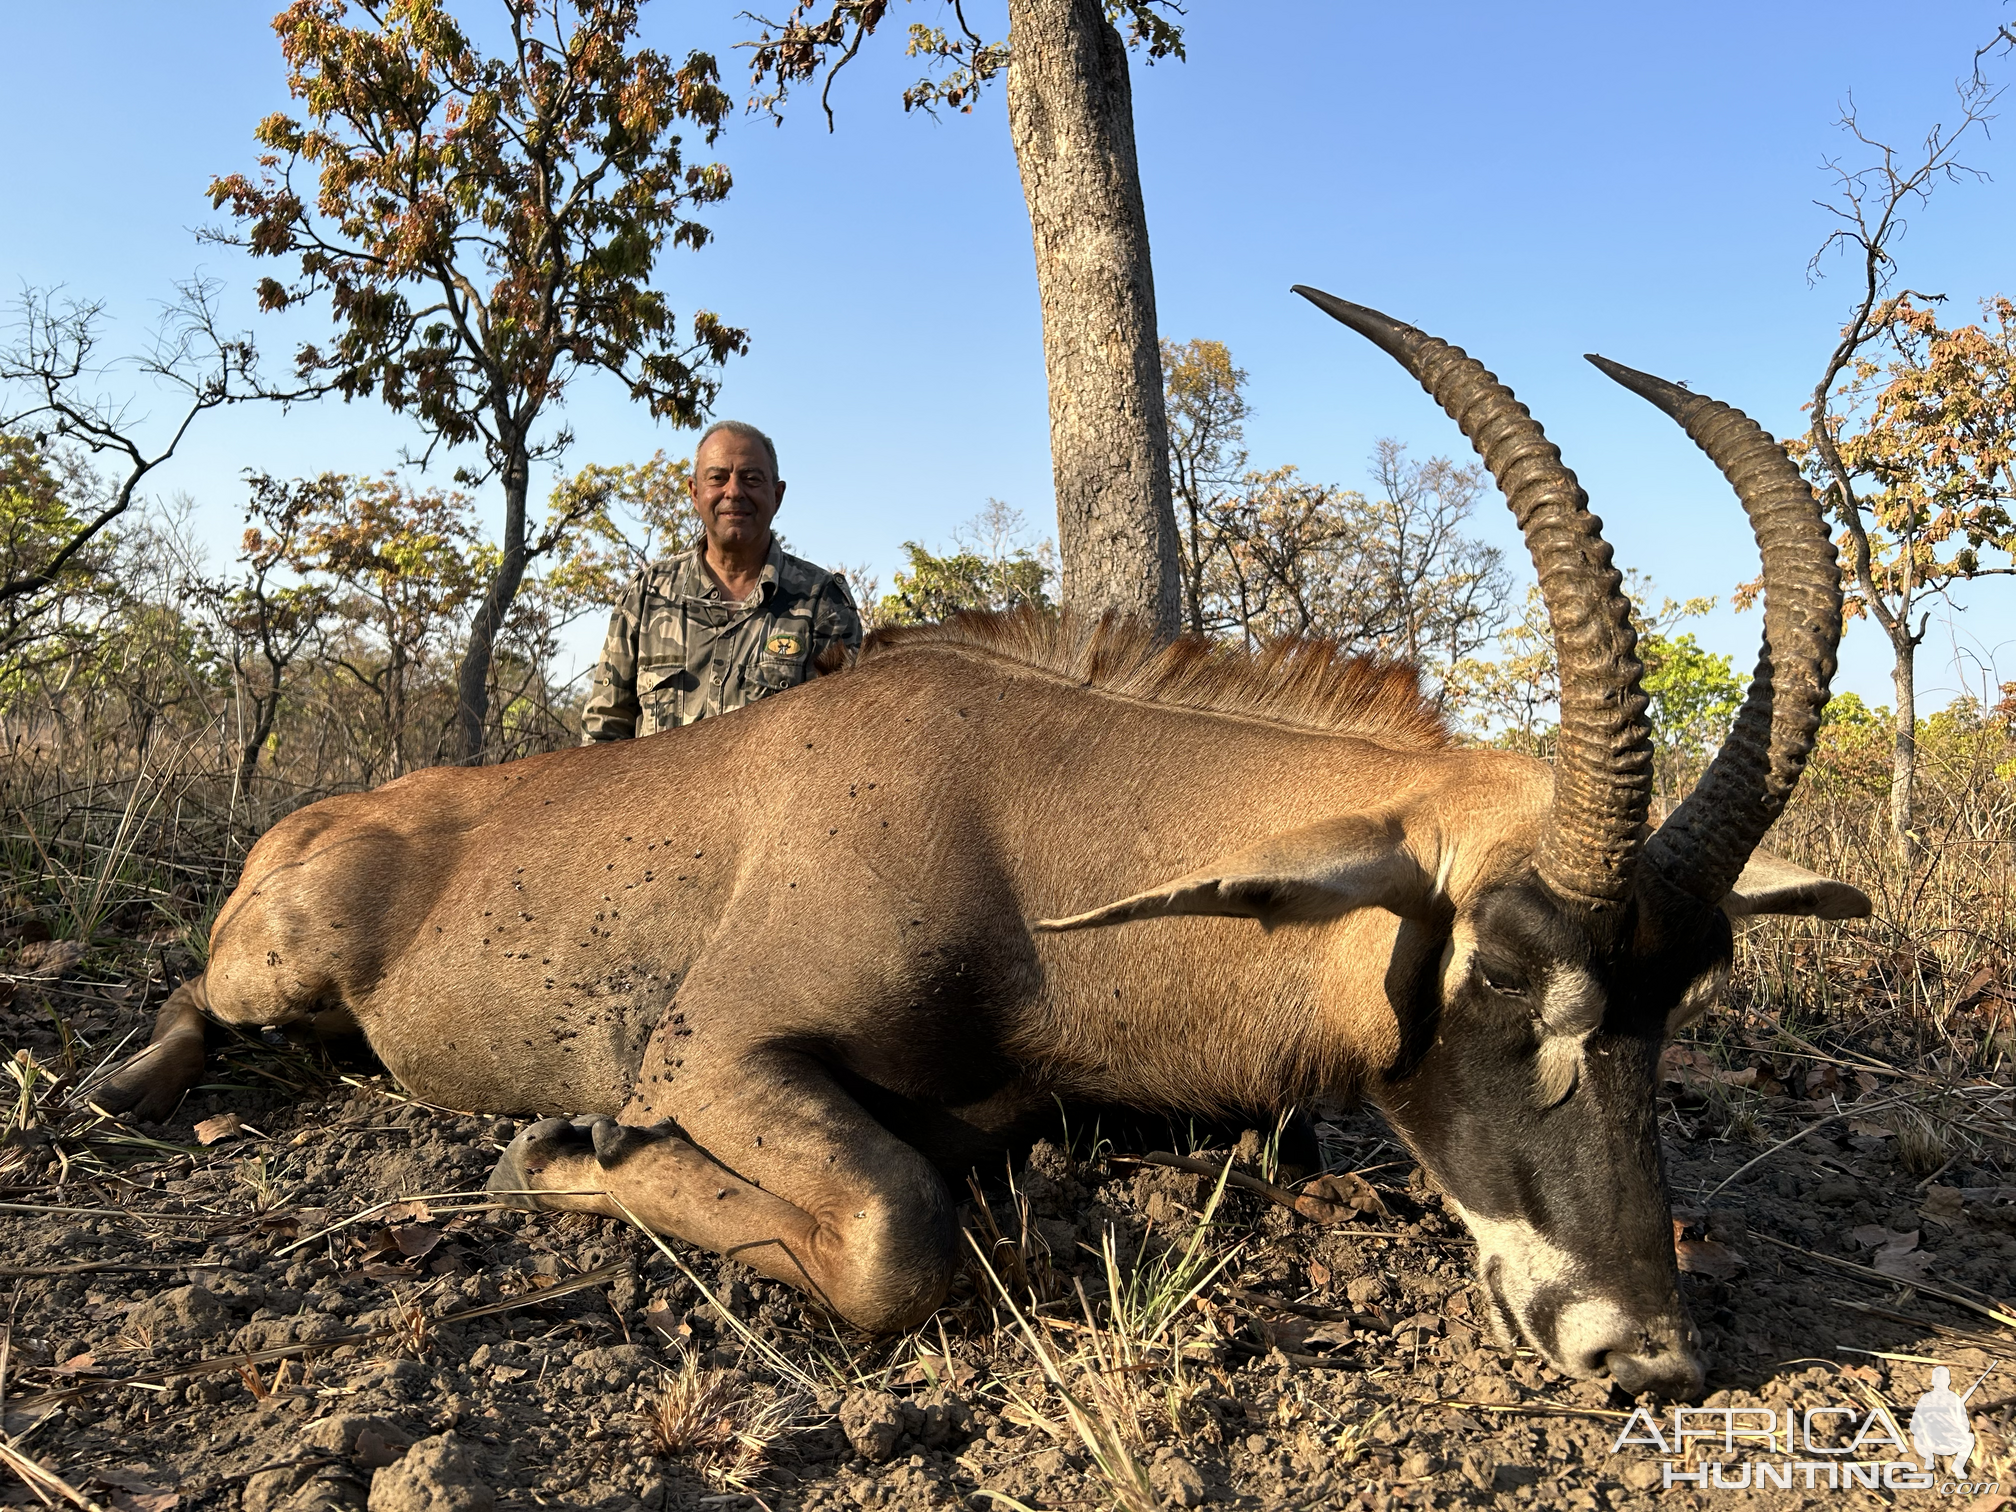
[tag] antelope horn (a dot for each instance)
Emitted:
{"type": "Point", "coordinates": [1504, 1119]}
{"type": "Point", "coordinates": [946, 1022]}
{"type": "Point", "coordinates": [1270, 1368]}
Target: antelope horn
{"type": "Point", "coordinates": [1603, 767]}
{"type": "Point", "coordinates": [1701, 848]}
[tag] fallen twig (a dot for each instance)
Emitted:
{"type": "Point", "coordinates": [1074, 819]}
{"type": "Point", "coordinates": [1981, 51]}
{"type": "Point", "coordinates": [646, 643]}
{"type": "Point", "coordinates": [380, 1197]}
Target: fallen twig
{"type": "Point", "coordinates": [1958, 1335]}
{"type": "Point", "coordinates": [1312, 1202]}
{"type": "Point", "coordinates": [1197, 1167]}
{"type": "Point", "coordinates": [1317, 1362]}
{"type": "Point", "coordinates": [1857, 1063]}
{"type": "Point", "coordinates": [1300, 1309]}
{"type": "Point", "coordinates": [770, 1353]}
{"type": "Point", "coordinates": [469, 1202]}
{"type": "Point", "coordinates": [40, 1479]}
{"type": "Point", "coordinates": [302, 1462]}
{"type": "Point", "coordinates": [1818, 1123]}
{"type": "Point", "coordinates": [1993, 1314]}
{"type": "Point", "coordinates": [400, 1097]}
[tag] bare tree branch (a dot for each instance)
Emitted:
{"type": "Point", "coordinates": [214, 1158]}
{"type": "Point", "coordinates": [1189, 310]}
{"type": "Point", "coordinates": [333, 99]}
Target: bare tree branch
{"type": "Point", "coordinates": [1871, 203]}
{"type": "Point", "coordinates": [51, 363]}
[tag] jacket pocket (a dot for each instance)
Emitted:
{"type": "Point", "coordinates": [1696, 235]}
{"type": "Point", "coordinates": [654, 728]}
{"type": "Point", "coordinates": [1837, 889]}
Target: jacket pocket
{"type": "Point", "coordinates": [773, 674]}
{"type": "Point", "coordinates": [659, 692]}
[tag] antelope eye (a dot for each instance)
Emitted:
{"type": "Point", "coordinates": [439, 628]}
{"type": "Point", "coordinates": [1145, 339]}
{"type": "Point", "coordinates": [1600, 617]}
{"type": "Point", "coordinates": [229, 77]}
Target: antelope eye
{"type": "Point", "coordinates": [1503, 980]}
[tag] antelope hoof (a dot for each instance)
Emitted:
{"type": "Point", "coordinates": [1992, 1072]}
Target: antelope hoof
{"type": "Point", "coordinates": [541, 1158]}
{"type": "Point", "coordinates": [150, 1086]}
{"type": "Point", "coordinates": [567, 1156]}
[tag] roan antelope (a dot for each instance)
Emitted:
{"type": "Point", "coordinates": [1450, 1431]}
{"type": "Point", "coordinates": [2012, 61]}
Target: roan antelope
{"type": "Point", "coordinates": [797, 964]}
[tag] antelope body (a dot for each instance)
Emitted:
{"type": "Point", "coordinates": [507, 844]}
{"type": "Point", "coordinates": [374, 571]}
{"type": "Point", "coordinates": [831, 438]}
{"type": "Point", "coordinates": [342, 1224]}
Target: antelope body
{"type": "Point", "coordinates": [797, 965]}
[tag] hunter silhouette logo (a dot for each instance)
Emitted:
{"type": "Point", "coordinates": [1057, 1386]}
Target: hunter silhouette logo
{"type": "Point", "coordinates": [1826, 1446]}
{"type": "Point", "coordinates": [1939, 1423]}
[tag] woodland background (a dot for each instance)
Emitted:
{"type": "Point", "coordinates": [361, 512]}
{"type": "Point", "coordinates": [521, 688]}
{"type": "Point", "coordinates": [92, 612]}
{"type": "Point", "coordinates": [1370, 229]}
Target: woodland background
{"type": "Point", "coordinates": [162, 703]}
{"type": "Point", "coordinates": [469, 223]}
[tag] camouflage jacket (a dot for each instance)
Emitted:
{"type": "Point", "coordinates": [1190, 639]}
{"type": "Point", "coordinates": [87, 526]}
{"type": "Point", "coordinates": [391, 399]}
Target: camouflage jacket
{"type": "Point", "coordinates": [679, 649]}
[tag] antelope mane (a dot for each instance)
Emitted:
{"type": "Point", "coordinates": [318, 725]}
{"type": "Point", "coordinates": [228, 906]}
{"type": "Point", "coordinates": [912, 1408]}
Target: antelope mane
{"type": "Point", "coordinates": [1303, 682]}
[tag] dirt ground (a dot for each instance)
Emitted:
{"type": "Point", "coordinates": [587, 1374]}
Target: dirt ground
{"type": "Point", "coordinates": [317, 1308]}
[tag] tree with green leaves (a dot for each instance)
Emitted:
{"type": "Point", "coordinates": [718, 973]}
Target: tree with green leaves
{"type": "Point", "coordinates": [395, 566]}
{"type": "Point", "coordinates": [482, 230]}
{"type": "Point", "coordinates": [1919, 463]}
{"type": "Point", "coordinates": [1513, 699]}
{"type": "Point", "coordinates": [45, 507]}
{"type": "Point", "coordinates": [1693, 696]}
{"type": "Point", "coordinates": [991, 566]}
{"type": "Point", "coordinates": [628, 514]}
{"type": "Point", "coordinates": [265, 616]}
{"type": "Point", "coordinates": [1204, 397]}
{"type": "Point", "coordinates": [1071, 117]}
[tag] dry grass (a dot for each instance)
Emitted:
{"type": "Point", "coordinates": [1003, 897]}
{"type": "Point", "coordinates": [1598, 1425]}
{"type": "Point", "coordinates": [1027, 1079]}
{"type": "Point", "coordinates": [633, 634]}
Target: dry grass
{"type": "Point", "coordinates": [693, 1413]}
{"type": "Point", "coordinates": [1123, 1375]}
{"type": "Point", "coordinates": [1934, 968]}
{"type": "Point", "coordinates": [717, 1424]}
{"type": "Point", "coordinates": [412, 1328]}
{"type": "Point", "coordinates": [1023, 1262]}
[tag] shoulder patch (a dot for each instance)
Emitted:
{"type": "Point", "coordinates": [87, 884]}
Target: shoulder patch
{"type": "Point", "coordinates": [783, 645]}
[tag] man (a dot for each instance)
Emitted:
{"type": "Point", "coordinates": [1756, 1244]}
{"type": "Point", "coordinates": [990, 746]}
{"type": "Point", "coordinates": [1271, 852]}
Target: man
{"type": "Point", "coordinates": [732, 620]}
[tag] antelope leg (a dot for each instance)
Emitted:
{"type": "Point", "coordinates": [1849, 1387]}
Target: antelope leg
{"type": "Point", "coordinates": [152, 1083]}
{"type": "Point", "coordinates": [830, 1202]}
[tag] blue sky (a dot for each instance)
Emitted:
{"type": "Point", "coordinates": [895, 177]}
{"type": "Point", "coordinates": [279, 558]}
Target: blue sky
{"type": "Point", "coordinates": [1529, 182]}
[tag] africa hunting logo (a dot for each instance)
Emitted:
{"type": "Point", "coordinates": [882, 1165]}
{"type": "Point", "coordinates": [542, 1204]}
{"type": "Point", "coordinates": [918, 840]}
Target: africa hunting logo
{"type": "Point", "coordinates": [781, 645]}
{"type": "Point", "coordinates": [1830, 1448]}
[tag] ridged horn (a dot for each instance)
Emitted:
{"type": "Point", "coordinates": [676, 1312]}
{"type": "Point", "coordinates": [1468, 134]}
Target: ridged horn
{"type": "Point", "coordinates": [1603, 764]}
{"type": "Point", "coordinates": [1701, 848]}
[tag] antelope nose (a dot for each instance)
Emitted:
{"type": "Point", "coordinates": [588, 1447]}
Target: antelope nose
{"type": "Point", "coordinates": [1666, 1368]}
{"type": "Point", "coordinates": [1640, 1348]}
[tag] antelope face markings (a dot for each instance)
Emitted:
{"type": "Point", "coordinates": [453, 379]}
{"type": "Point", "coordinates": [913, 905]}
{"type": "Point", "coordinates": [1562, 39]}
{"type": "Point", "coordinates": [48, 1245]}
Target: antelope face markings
{"type": "Point", "coordinates": [1534, 1105]}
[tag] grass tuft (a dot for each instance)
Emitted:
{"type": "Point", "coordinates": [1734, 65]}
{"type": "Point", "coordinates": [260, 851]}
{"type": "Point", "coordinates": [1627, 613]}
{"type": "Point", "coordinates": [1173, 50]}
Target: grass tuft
{"type": "Point", "coordinates": [715, 1423]}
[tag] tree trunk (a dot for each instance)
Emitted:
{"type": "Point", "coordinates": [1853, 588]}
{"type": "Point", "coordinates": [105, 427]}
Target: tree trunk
{"type": "Point", "coordinates": [395, 706]}
{"type": "Point", "coordinates": [263, 712]}
{"type": "Point", "coordinates": [1904, 750]}
{"type": "Point", "coordinates": [248, 749]}
{"type": "Point", "coordinates": [1194, 584]}
{"type": "Point", "coordinates": [1071, 114]}
{"type": "Point", "coordinates": [473, 682]}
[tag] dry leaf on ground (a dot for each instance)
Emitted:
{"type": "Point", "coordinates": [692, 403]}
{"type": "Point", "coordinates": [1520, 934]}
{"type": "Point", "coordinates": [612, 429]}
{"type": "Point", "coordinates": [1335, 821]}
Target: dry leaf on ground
{"type": "Point", "coordinates": [415, 1239]}
{"type": "Point", "coordinates": [222, 1126]}
{"type": "Point", "coordinates": [48, 958]}
{"type": "Point", "coordinates": [1339, 1199]}
{"type": "Point", "coordinates": [1942, 1204]}
{"type": "Point", "coordinates": [1708, 1257]}
{"type": "Point", "coordinates": [129, 1493]}
{"type": "Point", "coordinates": [1900, 1256]}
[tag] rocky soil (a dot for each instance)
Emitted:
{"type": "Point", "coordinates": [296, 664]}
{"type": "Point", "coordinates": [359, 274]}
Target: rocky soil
{"type": "Point", "coordinates": [296, 1297]}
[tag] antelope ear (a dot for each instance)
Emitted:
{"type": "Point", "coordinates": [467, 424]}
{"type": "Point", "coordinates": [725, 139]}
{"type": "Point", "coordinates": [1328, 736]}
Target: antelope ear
{"type": "Point", "coordinates": [1771, 886]}
{"type": "Point", "coordinates": [1317, 872]}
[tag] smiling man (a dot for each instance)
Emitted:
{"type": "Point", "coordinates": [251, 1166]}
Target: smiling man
{"type": "Point", "coordinates": [732, 620]}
